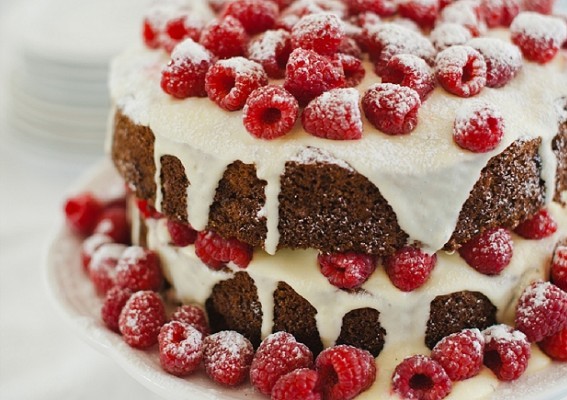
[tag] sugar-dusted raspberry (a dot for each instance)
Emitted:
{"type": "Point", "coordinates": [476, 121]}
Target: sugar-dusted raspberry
{"type": "Point", "coordinates": [559, 266]}
{"type": "Point", "coordinates": [541, 310]}
{"type": "Point", "coordinates": [302, 8]}
{"type": "Point", "coordinates": [350, 47]}
{"type": "Point", "coordinates": [182, 234]}
{"type": "Point", "coordinates": [539, 226]}
{"type": "Point", "coordinates": [255, 15]}
{"type": "Point", "coordinates": [506, 352]}
{"type": "Point", "coordinates": [82, 212]}
{"type": "Point", "coordinates": [271, 49]}
{"type": "Point", "coordinates": [449, 34]}
{"type": "Point", "coordinates": [538, 36]}
{"type": "Point", "coordinates": [215, 251]}
{"type": "Point", "coordinates": [411, 71]}
{"type": "Point", "coordinates": [345, 371]}
{"type": "Point", "coordinates": [217, 5]}
{"type": "Point", "coordinates": [539, 6]}
{"type": "Point", "coordinates": [420, 377]}
{"type": "Point", "coordinates": [102, 268]}
{"type": "Point", "coordinates": [346, 270]}
{"type": "Point", "coordinates": [183, 27]}
{"type": "Point", "coordinates": [180, 348]}
{"type": "Point", "coordinates": [139, 269]}
{"type": "Point", "coordinates": [90, 245]}
{"type": "Point", "coordinates": [489, 252]}
{"type": "Point", "coordinates": [192, 315]}
{"type": "Point", "coordinates": [225, 37]}
{"type": "Point", "coordinates": [334, 115]}
{"type": "Point", "coordinates": [461, 70]}
{"type": "Point", "coordinates": [114, 302]}
{"type": "Point", "coordinates": [499, 12]}
{"type": "Point", "coordinates": [383, 8]}
{"type": "Point", "coordinates": [478, 127]}
{"type": "Point", "coordinates": [466, 13]}
{"type": "Point", "coordinates": [309, 74]}
{"type": "Point", "coordinates": [352, 67]}
{"type": "Point", "coordinates": [141, 319]}
{"type": "Point", "coordinates": [229, 82]}
{"type": "Point", "coordinates": [270, 112]}
{"type": "Point", "coordinates": [184, 75]}
{"type": "Point", "coordinates": [277, 355]}
{"type": "Point", "coordinates": [302, 383]}
{"type": "Point", "coordinates": [503, 60]}
{"type": "Point", "coordinates": [423, 12]}
{"type": "Point", "coordinates": [409, 267]}
{"type": "Point", "coordinates": [146, 210]}
{"type": "Point", "coordinates": [391, 108]}
{"type": "Point", "coordinates": [321, 32]}
{"type": "Point", "coordinates": [227, 356]}
{"type": "Point", "coordinates": [555, 346]}
{"type": "Point", "coordinates": [460, 354]}
{"type": "Point", "coordinates": [114, 222]}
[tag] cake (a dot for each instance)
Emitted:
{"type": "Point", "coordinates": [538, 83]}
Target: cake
{"type": "Point", "coordinates": [276, 213]}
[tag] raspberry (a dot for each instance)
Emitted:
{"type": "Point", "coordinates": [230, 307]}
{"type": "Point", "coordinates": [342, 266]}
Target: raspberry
{"type": "Point", "coordinates": [303, 383]}
{"type": "Point", "coordinates": [538, 36]}
{"type": "Point", "coordinates": [539, 6]}
{"type": "Point", "coordinates": [215, 251]}
{"type": "Point", "coordinates": [559, 266]}
{"type": "Point", "coordinates": [217, 5]}
{"type": "Point", "coordinates": [180, 348]}
{"type": "Point", "coordinates": [322, 33]}
{"type": "Point", "coordinates": [460, 354]}
{"type": "Point", "coordinates": [229, 82]}
{"type": "Point", "coordinates": [411, 71]}
{"type": "Point", "coordinates": [499, 12]}
{"type": "Point", "coordinates": [420, 377]}
{"type": "Point", "coordinates": [506, 352]}
{"type": "Point", "coordinates": [489, 252]}
{"type": "Point", "coordinates": [461, 70]}
{"type": "Point", "coordinates": [270, 112]}
{"type": "Point", "coordinates": [139, 269]}
{"type": "Point", "coordinates": [309, 74]}
{"type": "Point", "coordinates": [255, 15]}
{"type": "Point", "coordinates": [478, 127]}
{"type": "Point", "coordinates": [409, 268]}
{"type": "Point", "coordinates": [466, 13]}
{"type": "Point", "coordinates": [391, 108]}
{"type": "Point", "coordinates": [181, 233]}
{"type": "Point", "coordinates": [192, 315]}
{"type": "Point", "coordinates": [150, 34]}
{"type": "Point", "coordinates": [346, 270]}
{"type": "Point", "coordinates": [277, 355]}
{"type": "Point", "coordinates": [146, 210]}
{"type": "Point", "coordinates": [301, 8]}
{"type": "Point", "coordinates": [539, 226]}
{"type": "Point", "coordinates": [102, 268]}
{"type": "Point", "coordinates": [82, 212]}
{"type": "Point", "coordinates": [141, 319]}
{"type": "Point", "coordinates": [184, 75]}
{"type": "Point", "coordinates": [271, 49]}
{"type": "Point", "coordinates": [345, 371]}
{"type": "Point", "coordinates": [423, 12]}
{"type": "Point", "coordinates": [227, 356]}
{"type": "Point", "coordinates": [449, 34]}
{"type": "Point", "coordinates": [555, 346]}
{"type": "Point", "coordinates": [352, 67]}
{"type": "Point", "coordinates": [187, 26]}
{"type": "Point", "coordinates": [90, 245]}
{"type": "Point", "coordinates": [334, 115]}
{"type": "Point", "coordinates": [541, 311]}
{"type": "Point", "coordinates": [114, 302]}
{"type": "Point", "coordinates": [225, 37]}
{"type": "Point", "coordinates": [383, 8]}
{"type": "Point", "coordinates": [113, 222]}
{"type": "Point", "coordinates": [503, 60]}
{"type": "Point", "coordinates": [350, 47]}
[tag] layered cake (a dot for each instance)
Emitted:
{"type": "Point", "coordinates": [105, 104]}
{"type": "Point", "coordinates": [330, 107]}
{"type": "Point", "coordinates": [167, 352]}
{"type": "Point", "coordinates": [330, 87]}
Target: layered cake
{"type": "Point", "coordinates": [356, 173]}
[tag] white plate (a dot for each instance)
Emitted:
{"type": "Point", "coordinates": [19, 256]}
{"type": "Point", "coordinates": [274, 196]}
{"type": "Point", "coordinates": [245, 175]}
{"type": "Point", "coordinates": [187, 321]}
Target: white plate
{"type": "Point", "coordinates": [75, 298]}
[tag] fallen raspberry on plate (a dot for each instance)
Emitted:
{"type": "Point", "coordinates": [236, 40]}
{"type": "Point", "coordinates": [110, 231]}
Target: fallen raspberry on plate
{"type": "Point", "coordinates": [114, 302]}
{"type": "Point", "coordinates": [409, 268]}
{"type": "Point", "coordinates": [478, 127]}
{"type": "Point", "coordinates": [539, 226]}
{"type": "Point", "coordinates": [180, 348]}
{"type": "Point", "coordinates": [461, 70]}
{"type": "Point", "coordinates": [460, 354]}
{"type": "Point", "coordinates": [490, 252]}
{"type": "Point", "coordinates": [102, 268]}
{"type": "Point", "coordinates": [346, 270]}
{"type": "Point", "coordinates": [300, 384]}
{"type": "Point", "coordinates": [141, 319]}
{"type": "Point", "coordinates": [420, 377]}
{"type": "Point", "coordinates": [192, 315]}
{"type": "Point", "coordinates": [227, 357]}
{"type": "Point", "coordinates": [139, 269]}
{"type": "Point", "coordinates": [82, 212]}
{"type": "Point", "coordinates": [506, 352]}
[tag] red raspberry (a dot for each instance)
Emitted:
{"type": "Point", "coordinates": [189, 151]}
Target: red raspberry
{"type": "Point", "coordinates": [322, 33]}
{"type": "Point", "coordinates": [346, 270]}
{"type": "Point", "coordinates": [465, 13]}
{"type": "Point", "coordinates": [489, 252]}
{"type": "Point", "coordinates": [423, 12]}
{"type": "Point", "coordinates": [409, 268]}
{"type": "Point", "coordinates": [541, 311]}
{"type": "Point", "coordinates": [305, 7]}
{"type": "Point", "coordinates": [229, 82]}
{"type": "Point", "coordinates": [139, 269]}
{"type": "Point", "coordinates": [499, 12]}
{"type": "Point", "coordinates": [334, 115]}
{"type": "Point", "coordinates": [539, 226]}
{"type": "Point", "coordinates": [277, 355]}
{"type": "Point", "coordinates": [538, 36]}
{"type": "Point", "coordinates": [225, 37]}
{"type": "Point", "coordinates": [181, 233]}
{"type": "Point", "coordinates": [383, 8]}
{"type": "Point", "coordinates": [420, 377]}
{"type": "Point", "coordinates": [411, 71]}
{"type": "Point", "coordinates": [217, 5]}
{"type": "Point", "coordinates": [90, 245]}
{"type": "Point", "coordinates": [215, 251]}
{"type": "Point", "coordinates": [192, 315]}
{"type": "Point", "coordinates": [270, 112]}
{"type": "Point", "coordinates": [303, 383]}
{"type": "Point", "coordinates": [391, 108]}
{"type": "Point", "coordinates": [559, 266]}
{"type": "Point", "coordinates": [350, 47]}
{"type": "Point", "coordinates": [180, 348]}
{"type": "Point", "coordinates": [309, 74]}
{"type": "Point", "coordinates": [539, 6]}
{"type": "Point", "coordinates": [345, 371]}
{"type": "Point", "coordinates": [449, 34]}
{"type": "Point", "coordinates": [255, 15]}
{"type": "Point", "coordinates": [146, 210]}
{"type": "Point", "coordinates": [478, 127]}
{"type": "Point", "coordinates": [114, 302]}
{"type": "Point", "coordinates": [461, 70]}
{"type": "Point", "coordinates": [460, 354]}
{"type": "Point", "coordinates": [227, 356]}
{"type": "Point", "coordinates": [150, 34]}
{"type": "Point", "coordinates": [503, 60]}
{"type": "Point", "coordinates": [82, 212]}
{"type": "Point", "coordinates": [102, 269]}
{"type": "Point", "coordinates": [186, 26]}
{"type": "Point", "coordinates": [271, 49]}
{"type": "Point", "coordinates": [141, 319]}
{"type": "Point", "coordinates": [352, 67]}
{"type": "Point", "coordinates": [555, 346]}
{"type": "Point", "coordinates": [506, 352]}
{"type": "Point", "coordinates": [114, 222]}
{"type": "Point", "coordinates": [184, 75]}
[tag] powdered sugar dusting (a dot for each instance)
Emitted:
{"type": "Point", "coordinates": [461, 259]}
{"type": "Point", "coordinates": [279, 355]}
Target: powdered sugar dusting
{"type": "Point", "coordinates": [449, 34]}
{"type": "Point", "coordinates": [540, 26]}
{"type": "Point", "coordinates": [503, 333]}
{"type": "Point", "coordinates": [313, 155]}
{"type": "Point", "coordinates": [265, 47]}
{"type": "Point", "coordinates": [243, 66]}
